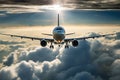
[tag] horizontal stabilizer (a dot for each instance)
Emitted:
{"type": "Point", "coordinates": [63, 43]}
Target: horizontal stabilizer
{"type": "Point", "coordinates": [69, 33]}
{"type": "Point", "coordinates": [47, 34]}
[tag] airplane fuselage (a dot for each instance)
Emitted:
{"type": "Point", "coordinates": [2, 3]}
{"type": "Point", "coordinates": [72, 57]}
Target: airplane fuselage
{"type": "Point", "coordinates": [58, 34]}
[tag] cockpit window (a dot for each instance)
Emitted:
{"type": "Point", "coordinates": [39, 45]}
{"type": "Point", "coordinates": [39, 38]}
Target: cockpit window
{"type": "Point", "coordinates": [59, 28]}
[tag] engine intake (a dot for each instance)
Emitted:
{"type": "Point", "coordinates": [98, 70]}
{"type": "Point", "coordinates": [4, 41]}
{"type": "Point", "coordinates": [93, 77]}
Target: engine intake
{"type": "Point", "coordinates": [75, 43]}
{"type": "Point", "coordinates": [43, 43]}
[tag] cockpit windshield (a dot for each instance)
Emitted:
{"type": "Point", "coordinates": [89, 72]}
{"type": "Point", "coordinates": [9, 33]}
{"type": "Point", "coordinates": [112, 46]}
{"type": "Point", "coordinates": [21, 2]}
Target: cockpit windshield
{"type": "Point", "coordinates": [59, 28]}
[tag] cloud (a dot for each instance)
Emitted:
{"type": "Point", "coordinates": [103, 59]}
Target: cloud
{"type": "Point", "coordinates": [17, 9]}
{"type": "Point", "coordinates": [7, 70]}
{"type": "Point", "coordinates": [24, 70]}
{"type": "Point", "coordinates": [91, 60]}
{"type": "Point", "coordinates": [9, 60]}
{"type": "Point", "coordinates": [7, 47]}
{"type": "Point", "coordinates": [40, 2]}
{"type": "Point", "coordinates": [78, 4]}
{"type": "Point", "coordinates": [28, 70]}
{"type": "Point", "coordinates": [118, 35]}
{"type": "Point", "coordinates": [82, 76]}
{"type": "Point", "coordinates": [39, 54]}
{"type": "Point", "coordinates": [115, 70]}
{"type": "Point", "coordinates": [95, 4]}
{"type": "Point", "coordinates": [10, 42]}
{"type": "Point", "coordinates": [2, 15]}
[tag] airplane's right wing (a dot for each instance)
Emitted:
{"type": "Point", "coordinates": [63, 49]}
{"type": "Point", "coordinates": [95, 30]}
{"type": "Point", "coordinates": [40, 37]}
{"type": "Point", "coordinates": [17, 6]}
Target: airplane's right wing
{"type": "Point", "coordinates": [43, 41]}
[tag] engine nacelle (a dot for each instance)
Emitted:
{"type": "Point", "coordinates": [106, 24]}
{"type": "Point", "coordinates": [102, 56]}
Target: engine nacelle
{"type": "Point", "coordinates": [43, 43]}
{"type": "Point", "coordinates": [75, 43]}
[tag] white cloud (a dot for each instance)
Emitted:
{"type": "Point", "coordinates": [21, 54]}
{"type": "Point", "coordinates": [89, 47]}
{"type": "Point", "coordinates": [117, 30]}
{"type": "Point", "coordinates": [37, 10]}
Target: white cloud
{"type": "Point", "coordinates": [110, 1]}
{"type": "Point", "coordinates": [39, 54]}
{"type": "Point", "coordinates": [16, 9]}
{"type": "Point", "coordinates": [91, 60]}
{"type": "Point", "coordinates": [10, 71]}
{"type": "Point", "coordinates": [2, 15]}
{"type": "Point", "coordinates": [9, 60]}
{"type": "Point", "coordinates": [115, 73]}
{"type": "Point", "coordinates": [95, 4]}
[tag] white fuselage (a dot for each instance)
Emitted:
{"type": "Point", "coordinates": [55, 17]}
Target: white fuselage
{"type": "Point", "coordinates": [58, 34]}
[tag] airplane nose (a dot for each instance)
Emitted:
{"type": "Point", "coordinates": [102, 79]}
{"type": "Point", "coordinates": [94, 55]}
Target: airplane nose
{"type": "Point", "coordinates": [60, 32]}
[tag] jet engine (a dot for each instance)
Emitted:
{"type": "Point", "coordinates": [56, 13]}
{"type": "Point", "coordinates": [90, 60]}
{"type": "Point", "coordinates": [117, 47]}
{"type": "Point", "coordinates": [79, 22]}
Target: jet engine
{"type": "Point", "coordinates": [43, 43]}
{"type": "Point", "coordinates": [75, 43]}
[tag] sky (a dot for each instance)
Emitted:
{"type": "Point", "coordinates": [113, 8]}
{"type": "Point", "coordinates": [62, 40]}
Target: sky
{"type": "Point", "coordinates": [21, 15]}
{"type": "Point", "coordinates": [93, 59]}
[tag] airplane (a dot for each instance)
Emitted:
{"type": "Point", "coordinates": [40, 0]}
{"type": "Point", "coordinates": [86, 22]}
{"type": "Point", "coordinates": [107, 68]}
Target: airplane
{"type": "Point", "coordinates": [59, 37]}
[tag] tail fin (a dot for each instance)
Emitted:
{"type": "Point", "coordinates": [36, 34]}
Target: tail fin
{"type": "Point", "coordinates": [58, 20]}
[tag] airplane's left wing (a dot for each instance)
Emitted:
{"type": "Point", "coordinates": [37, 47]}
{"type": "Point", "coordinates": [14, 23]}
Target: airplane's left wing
{"type": "Point", "coordinates": [75, 40]}
{"type": "Point", "coordinates": [84, 38]}
{"type": "Point", "coordinates": [27, 37]}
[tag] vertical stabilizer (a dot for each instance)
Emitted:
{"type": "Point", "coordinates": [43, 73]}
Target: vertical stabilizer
{"type": "Point", "coordinates": [58, 21]}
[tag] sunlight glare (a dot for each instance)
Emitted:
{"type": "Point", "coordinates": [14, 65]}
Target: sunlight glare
{"type": "Point", "coordinates": [57, 8]}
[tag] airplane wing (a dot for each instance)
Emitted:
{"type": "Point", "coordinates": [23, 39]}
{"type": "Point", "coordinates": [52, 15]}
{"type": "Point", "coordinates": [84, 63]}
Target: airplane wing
{"type": "Point", "coordinates": [32, 38]}
{"type": "Point", "coordinates": [84, 38]}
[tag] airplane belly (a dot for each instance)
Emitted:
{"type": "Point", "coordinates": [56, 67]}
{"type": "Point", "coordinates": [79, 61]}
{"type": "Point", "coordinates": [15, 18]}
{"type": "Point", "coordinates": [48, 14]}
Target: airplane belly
{"type": "Point", "coordinates": [59, 37]}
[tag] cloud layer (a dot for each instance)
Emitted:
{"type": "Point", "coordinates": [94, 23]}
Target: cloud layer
{"type": "Point", "coordinates": [91, 60]}
{"type": "Point", "coordinates": [41, 2]}
{"type": "Point", "coordinates": [9, 46]}
{"type": "Point", "coordinates": [84, 4]}
{"type": "Point", "coordinates": [96, 4]}
{"type": "Point", "coordinates": [17, 9]}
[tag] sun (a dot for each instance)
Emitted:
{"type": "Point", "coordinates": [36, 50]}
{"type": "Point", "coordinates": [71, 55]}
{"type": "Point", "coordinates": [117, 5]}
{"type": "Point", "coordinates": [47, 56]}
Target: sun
{"type": "Point", "coordinates": [56, 7]}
